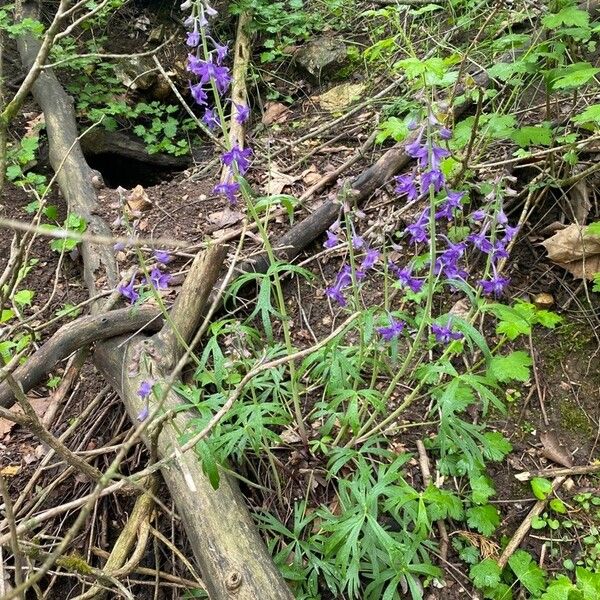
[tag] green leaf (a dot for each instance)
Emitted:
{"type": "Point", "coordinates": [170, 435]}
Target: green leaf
{"type": "Point", "coordinates": [572, 76]}
{"type": "Point", "coordinates": [548, 318]}
{"type": "Point", "coordinates": [496, 446]}
{"type": "Point", "coordinates": [527, 572]}
{"type": "Point", "coordinates": [24, 297]}
{"type": "Point", "coordinates": [570, 16]}
{"type": "Point", "coordinates": [483, 518]}
{"type": "Point", "coordinates": [533, 135]}
{"type": "Point", "coordinates": [68, 310]}
{"type": "Point", "coordinates": [590, 115]}
{"type": "Point", "coordinates": [541, 487]}
{"type": "Point", "coordinates": [513, 367]}
{"type": "Point", "coordinates": [486, 574]}
{"type": "Point", "coordinates": [6, 314]}
{"type": "Point", "coordinates": [558, 506]}
{"type": "Point", "coordinates": [394, 128]}
{"type": "Point", "coordinates": [588, 583]}
{"type": "Point", "coordinates": [593, 228]}
{"type": "Point", "coordinates": [559, 589]}
{"type": "Point", "coordinates": [482, 489]}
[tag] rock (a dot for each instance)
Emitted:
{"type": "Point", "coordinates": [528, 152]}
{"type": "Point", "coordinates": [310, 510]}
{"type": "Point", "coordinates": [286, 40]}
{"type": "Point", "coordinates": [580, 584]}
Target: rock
{"type": "Point", "coordinates": [136, 72]}
{"type": "Point", "coordinates": [322, 57]}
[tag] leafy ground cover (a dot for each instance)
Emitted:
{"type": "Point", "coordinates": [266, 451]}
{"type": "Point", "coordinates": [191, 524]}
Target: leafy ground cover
{"type": "Point", "coordinates": [402, 456]}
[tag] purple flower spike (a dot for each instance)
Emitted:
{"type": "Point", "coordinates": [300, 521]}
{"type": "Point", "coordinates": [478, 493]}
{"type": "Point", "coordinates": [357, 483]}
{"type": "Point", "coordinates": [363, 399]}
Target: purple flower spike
{"type": "Point", "coordinates": [129, 292]}
{"type": "Point", "coordinates": [344, 279]}
{"type": "Point", "coordinates": [393, 330]}
{"type": "Point", "coordinates": [418, 229]}
{"type": "Point", "coordinates": [444, 334]}
{"type": "Point", "coordinates": [229, 190]}
{"type": "Point", "coordinates": [332, 239]}
{"type": "Point", "coordinates": [162, 256]}
{"type": "Point", "coordinates": [242, 113]}
{"type": "Point", "coordinates": [159, 279]}
{"type": "Point", "coordinates": [145, 389]}
{"type": "Point", "coordinates": [335, 294]}
{"type": "Point", "coordinates": [433, 178]}
{"type": "Point", "coordinates": [207, 70]}
{"type": "Point", "coordinates": [238, 156]}
{"type": "Point", "coordinates": [405, 186]}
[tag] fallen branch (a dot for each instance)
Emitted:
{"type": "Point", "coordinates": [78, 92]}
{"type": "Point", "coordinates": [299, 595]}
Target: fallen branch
{"type": "Point", "coordinates": [558, 472]}
{"type": "Point", "coordinates": [79, 333]}
{"type": "Point", "coordinates": [521, 532]}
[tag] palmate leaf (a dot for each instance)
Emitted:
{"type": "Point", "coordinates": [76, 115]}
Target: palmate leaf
{"type": "Point", "coordinates": [484, 518]}
{"type": "Point", "coordinates": [496, 446]}
{"type": "Point", "coordinates": [559, 589]}
{"type": "Point", "coordinates": [570, 16]}
{"type": "Point", "coordinates": [486, 574]}
{"type": "Point", "coordinates": [512, 367]}
{"type": "Point", "coordinates": [532, 577]}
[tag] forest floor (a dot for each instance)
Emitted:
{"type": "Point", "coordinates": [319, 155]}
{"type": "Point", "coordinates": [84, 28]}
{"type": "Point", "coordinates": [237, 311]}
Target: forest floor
{"type": "Point", "coordinates": [304, 127]}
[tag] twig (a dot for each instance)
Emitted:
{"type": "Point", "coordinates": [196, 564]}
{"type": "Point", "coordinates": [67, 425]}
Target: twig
{"type": "Point", "coordinates": [558, 471]}
{"type": "Point", "coordinates": [522, 530]}
{"type": "Point", "coordinates": [12, 527]}
{"type": "Point", "coordinates": [427, 481]}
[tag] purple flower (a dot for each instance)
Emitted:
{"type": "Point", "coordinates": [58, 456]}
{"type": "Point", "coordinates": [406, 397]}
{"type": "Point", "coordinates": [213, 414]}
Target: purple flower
{"type": "Point", "coordinates": [501, 217]}
{"type": "Point", "coordinates": [210, 119]}
{"type": "Point", "coordinates": [357, 242]}
{"type": "Point", "coordinates": [159, 279]}
{"type": "Point", "coordinates": [119, 246]}
{"type": "Point", "coordinates": [480, 241]}
{"type": "Point", "coordinates": [452, 202]}
{"type": "Point", "coordinates": [444, 334]}
{"type": "Point", "coordinates": [242, 113]}
{"type": "Point", "coordinates": [193, 38]}
{"type": "Point", "coordinates": [445, 133]}
{"type": "Point", "coordinates": [478, 215]}
{"type": "Point", "coordinates": [207, 70]}
{"type": "Point", "coordinates": [393, 330]}
{"type": "Point", "coordinates": [437, 154]}
{"type": "Point", "coordinates": [222, 51]}
{"type": "Point", "coordinates": [344, 279]}
{"type": "Point", "coordinates": [434, 178]}
{"type": "Point", "coordinates": [405, 185]}
{"type": "Point", "coordinates": [143, 414]}
{"type": "Point", "coordinates": [228, 189]}
{"type": "Point", "coordinates": [499, 251]}
{"type": "Point", "coordinates": [145, 390]}
{"type": "Point", "coordinates": [332, 239]}
{"type": "Point", "coordinates": [510, 233]}
{"type": "Point", "coordinates": [406, 279]}
{"type": "Point", "coordinates": [370, 259]}
{"type": "Point", "coordinates": [418, 229]}
{"type": "Point", "coordinates": [162, 256]}
{"type": "Point", "coordinates": [238, 156]}
{"type": "Point", "coordinates": [128, 291]}
{"type": "Point", "coordinates": [418, 151]}
{"type": "Point", "coordinates": [494, 286]}
{"type": "Point", "coordinates": [198, 94]}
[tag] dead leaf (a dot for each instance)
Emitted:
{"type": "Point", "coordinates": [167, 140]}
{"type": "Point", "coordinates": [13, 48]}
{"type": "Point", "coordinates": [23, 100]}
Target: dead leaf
{"type": "Point", "coordinates": [554, 450]}
{"type": "Point", "coordinates": [277, 181]}
{"type": "Point", "coordinates": [289, 436]}
{"type": "Point", "coordinates": [340, 96]}
{"type": "Point", "coordinates": [138, 200]}
{"type": "Point", "coordinates": [10, 470]}
{"type": "Point", "coordinates": [575, 250]}
{"type": "Point", "coordinates": [310, 176]}
{"type": "Point", "coordinates": [275, 112]}
{"type": "Point", "coordinates": [222, 218]}
{"type": "Point", "coordinates": [580, 205]}
{"type": "Point", "coordinates": [461, 309]}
